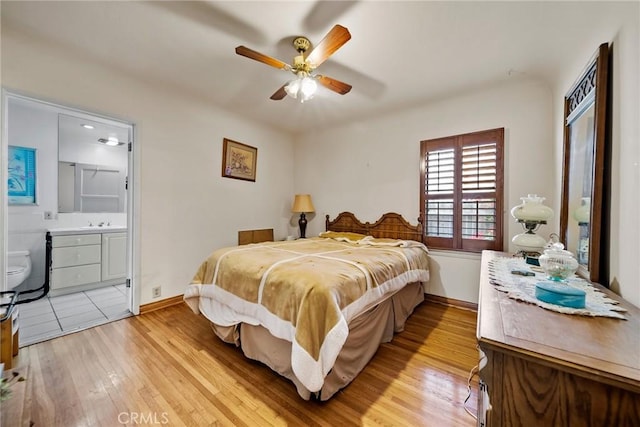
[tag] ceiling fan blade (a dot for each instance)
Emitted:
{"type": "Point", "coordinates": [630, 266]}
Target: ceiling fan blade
{"type": "Point", "coordinates": [280, 93]}
{"type": "Point", "coordinates": [333, 41]}
{"type": "Point", "coordinates": [213, 17]}
{"type": "Point", "coordinates": [334, 85]}
{"type": "Point", "coordinates": [252, 54]}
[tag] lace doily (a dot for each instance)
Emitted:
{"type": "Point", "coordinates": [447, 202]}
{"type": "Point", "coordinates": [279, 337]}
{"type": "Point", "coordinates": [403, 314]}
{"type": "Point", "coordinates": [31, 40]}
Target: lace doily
{"type": "Point", "coordinates": [523, 288]}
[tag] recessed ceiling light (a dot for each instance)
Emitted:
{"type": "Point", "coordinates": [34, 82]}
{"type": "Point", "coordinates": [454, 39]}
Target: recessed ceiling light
{"type": "Point", "coordinates": [87, 126]}
{"type": "Point", "coordinates": [111, 141]}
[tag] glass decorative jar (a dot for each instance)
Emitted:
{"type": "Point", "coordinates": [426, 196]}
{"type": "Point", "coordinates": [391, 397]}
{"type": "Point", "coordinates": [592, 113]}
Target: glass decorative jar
{"type": "Point", "coordinates": [558, 263]}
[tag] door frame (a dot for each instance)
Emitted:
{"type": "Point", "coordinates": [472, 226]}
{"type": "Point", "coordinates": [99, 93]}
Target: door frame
{"type": "Point", "coordinates": [133, 199]}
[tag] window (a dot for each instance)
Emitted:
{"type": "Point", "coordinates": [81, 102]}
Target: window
{"type": "Point", "coordinates": [461, 192]}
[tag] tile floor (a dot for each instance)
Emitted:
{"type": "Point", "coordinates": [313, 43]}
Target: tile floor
{"type": "Point", "coordinates": [52, 317]}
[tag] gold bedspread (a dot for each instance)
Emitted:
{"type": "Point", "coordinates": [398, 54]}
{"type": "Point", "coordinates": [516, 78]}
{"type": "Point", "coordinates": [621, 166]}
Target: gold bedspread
{"type": "Point", "coordinates": [305, 291]}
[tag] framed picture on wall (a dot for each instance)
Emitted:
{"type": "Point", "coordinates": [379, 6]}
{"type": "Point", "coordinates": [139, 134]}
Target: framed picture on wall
{"type": "Point", "coordinates": [239, 160]}
{"type": "Point", "coordinates": [22, 175]}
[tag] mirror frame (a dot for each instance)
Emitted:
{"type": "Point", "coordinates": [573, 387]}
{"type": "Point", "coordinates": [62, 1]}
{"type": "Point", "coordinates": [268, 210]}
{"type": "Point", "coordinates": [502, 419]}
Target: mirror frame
{"type": "Point", "coordinates": [591, 88]}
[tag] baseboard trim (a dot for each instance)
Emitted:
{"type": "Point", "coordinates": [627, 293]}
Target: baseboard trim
{"type": "Point", "coordinates": [157, 305]}
{"type": "Point", "coordinates": [168, 302]}
{"type": "Point", "coordinates": [451, 302]}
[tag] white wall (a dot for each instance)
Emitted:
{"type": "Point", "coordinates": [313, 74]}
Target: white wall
{"type": "Point", "coordinates": [372, 167]}
{"type": "Point", "coordinates": [623, 33]}
{"type": "Point", "coordinates": [185, 209]}
{"type": "Point", "coordinates": [26, 223]}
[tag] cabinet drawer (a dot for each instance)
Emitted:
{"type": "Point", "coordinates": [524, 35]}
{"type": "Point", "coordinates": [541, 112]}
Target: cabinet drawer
{"type": "Point", "coordinates": [76, 240]}
{"type": "Point", "coordinates": [76, 255]}
{"type": "Point", "coordinates": [73, 276]}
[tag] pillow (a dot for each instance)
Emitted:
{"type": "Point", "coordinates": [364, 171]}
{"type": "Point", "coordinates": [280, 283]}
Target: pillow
{"type": "Point", "coordinates": [347, 236]}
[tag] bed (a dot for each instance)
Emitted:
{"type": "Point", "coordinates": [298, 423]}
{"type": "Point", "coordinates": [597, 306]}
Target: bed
{"type": "Point", "coordinates": [315, 310]}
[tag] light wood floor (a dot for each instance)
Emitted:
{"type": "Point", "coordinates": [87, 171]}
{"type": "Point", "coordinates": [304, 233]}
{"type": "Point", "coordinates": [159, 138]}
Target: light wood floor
{"type": "Point", "coordinates": [167, 368]}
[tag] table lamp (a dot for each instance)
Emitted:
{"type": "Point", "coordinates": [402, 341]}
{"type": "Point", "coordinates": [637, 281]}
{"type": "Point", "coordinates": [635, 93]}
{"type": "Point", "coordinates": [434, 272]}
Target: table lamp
{"type": "Point", "coordinates": [302, 204]}
{"type": "Point", "coordinates": [582, 215]}
{"type": "Point", "coordinates": [531, 214]}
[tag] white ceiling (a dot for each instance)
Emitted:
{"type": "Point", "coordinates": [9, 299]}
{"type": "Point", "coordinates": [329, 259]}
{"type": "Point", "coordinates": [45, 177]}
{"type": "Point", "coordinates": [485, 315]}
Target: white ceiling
{"type": "Point", "coordinates": [401, 54]}
{"type": "Point", "coordinates": [71, 130]}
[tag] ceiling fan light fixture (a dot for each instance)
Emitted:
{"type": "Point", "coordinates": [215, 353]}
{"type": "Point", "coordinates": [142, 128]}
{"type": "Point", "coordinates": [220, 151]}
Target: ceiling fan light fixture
{"type": "Point", "coordinates": [292, 88]}
{"type": "Point", "coordinates": [308, 87]}
{"type": "Point", "coordinates": [302, 88]}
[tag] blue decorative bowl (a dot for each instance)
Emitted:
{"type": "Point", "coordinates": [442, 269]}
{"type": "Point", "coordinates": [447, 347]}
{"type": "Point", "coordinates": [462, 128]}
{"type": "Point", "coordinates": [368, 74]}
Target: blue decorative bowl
{"type": "Point", "coordinates": [560, 294]}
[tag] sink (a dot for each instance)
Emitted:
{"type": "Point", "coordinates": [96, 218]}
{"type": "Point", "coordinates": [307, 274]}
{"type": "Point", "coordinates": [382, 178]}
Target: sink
{"type": "Point", "coordinates": [103, 227]}
{"type": "Point", "coordinates": [87, 229]}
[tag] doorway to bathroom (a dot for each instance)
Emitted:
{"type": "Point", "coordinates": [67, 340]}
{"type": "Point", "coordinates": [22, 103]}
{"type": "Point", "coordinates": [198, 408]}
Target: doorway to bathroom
{"type": "Point", "coordinates": [78, 227]}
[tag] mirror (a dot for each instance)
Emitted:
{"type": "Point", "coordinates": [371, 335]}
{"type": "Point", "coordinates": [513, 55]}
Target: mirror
{"type": "Point", "coordinates": [583, 212]}
{"type": "Point", "coordinates": [92, 165]}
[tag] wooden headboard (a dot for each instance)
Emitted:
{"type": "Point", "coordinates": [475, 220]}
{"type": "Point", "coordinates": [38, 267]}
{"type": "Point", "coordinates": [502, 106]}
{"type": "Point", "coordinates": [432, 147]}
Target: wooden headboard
{"type": "Point", "coordinates": [390, 225]}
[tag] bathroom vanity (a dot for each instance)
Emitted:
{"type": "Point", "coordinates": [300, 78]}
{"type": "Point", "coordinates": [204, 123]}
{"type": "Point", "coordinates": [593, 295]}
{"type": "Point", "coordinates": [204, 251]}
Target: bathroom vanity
{"type": "Point", "coordinates": [86, 258]}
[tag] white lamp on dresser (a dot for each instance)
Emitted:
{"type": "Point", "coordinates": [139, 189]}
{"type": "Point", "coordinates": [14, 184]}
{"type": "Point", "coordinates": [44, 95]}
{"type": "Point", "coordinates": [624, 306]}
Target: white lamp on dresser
{"type": "Point", "coordinates": [531, 213]}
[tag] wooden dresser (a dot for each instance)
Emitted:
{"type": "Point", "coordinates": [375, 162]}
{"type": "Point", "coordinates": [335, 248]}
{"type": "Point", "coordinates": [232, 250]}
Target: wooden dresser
{"type": "Point", "coordinates": [545, 368]}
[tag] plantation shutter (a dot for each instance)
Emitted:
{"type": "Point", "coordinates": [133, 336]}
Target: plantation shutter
{"type": "Point", "coordinates": [462, 191]}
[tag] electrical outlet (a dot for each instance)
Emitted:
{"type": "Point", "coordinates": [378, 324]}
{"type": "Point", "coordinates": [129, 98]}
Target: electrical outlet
{"type": "Point", "coordinates": [48, 215]}
{"type": "Point", "coordinates": [155, 292]}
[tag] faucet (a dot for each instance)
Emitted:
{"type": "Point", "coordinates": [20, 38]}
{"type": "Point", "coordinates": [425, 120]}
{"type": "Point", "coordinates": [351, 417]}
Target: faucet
{"type": "Point", "coordinates": [101, 224]}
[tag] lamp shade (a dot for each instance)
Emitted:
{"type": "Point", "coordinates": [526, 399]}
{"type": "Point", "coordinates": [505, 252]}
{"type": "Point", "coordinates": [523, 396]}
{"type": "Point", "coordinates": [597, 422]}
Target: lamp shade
{"type": "Point", "coordinates": [583, 213]}
{"type": "Point", "coordinates": [302, 203]}
{"type": "Point", "coordinates": [532, 209]}
{"type": "Point", "coordinates": [302, 88]}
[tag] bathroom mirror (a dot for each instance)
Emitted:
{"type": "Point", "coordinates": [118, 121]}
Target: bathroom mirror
{"type": "Point", "coordinates": [586, 170]}
{"type": "Point", "coordinates": [92, 166]}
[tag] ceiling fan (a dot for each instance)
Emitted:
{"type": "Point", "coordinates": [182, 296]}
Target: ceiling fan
{"type": "Point", "coordinates": [304, 65]}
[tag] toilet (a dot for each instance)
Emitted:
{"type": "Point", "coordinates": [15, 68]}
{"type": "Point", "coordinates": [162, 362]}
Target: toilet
{"type": "Point", "coordinates": [18, 268]}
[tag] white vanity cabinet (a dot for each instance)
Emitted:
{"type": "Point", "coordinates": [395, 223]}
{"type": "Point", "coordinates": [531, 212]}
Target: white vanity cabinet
{"type": "Point", "coordinates": [85, 259]}
{"type": "Point", "coordinates": [114, 256]}
{"type": "Point", "coordinates": [75, 260]}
